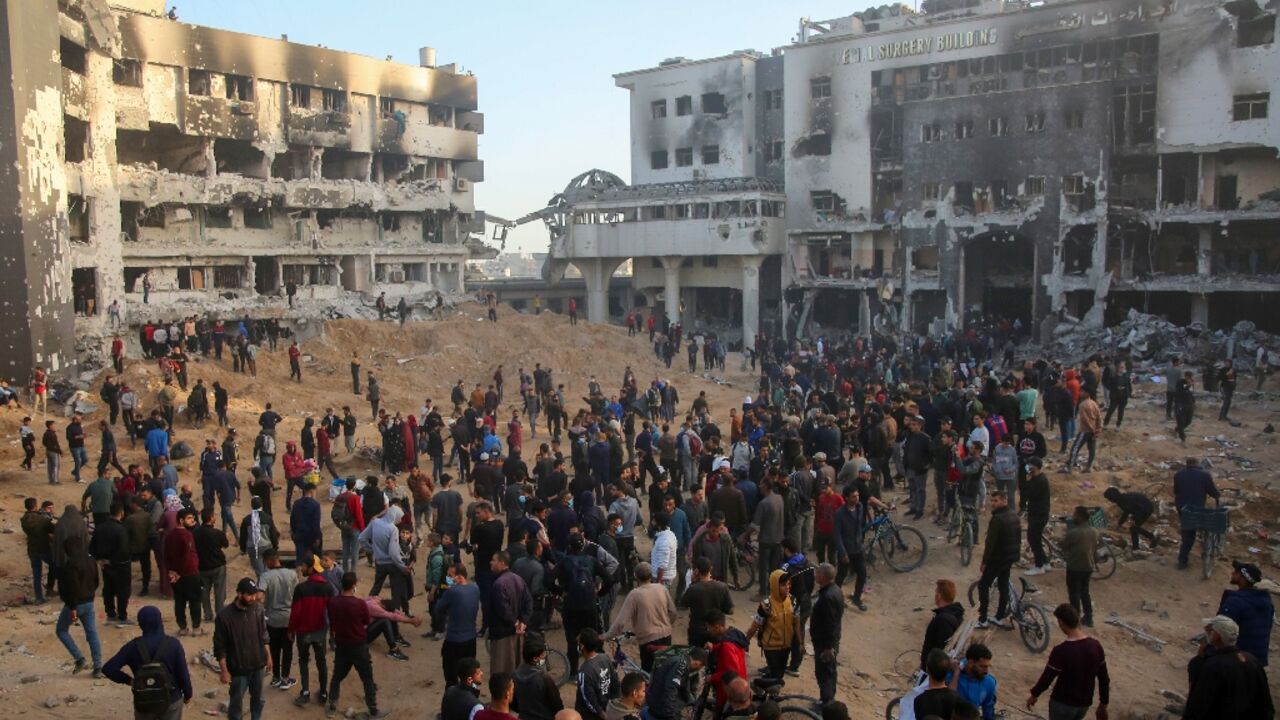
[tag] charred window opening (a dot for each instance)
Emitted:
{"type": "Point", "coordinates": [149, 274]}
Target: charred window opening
{"type": "Point", "coordinates": [326, 219]}
{"type": "Point", "coordinates": [333, 100]}
{"type": "Point", "coordinates": [819, 144]}
{"type": "Point", "coordinates": [152, 217]}
{"type": "Point", "coordinates": [437, 115]}
{"type": "Point", "coordinates": [217, 216]}
{"type": "Point", "coordinates": [240, 88]}
{"type": "Point", "coordinates": [658, 109]}
{"type": "Point", "coordinates": [1035, 122]}
{"type": "Point", "coordinates": [239, 157]}
{"type": "Point", "coordinates": [300, 96]}
{"type": "Point", "coordinates": [886, 135]}
{"type": "Point", "coordinates": [72, 56]}
{"type": "Point", "coordinates": [293, 164]}
{"type": "Point", "coordinates": [75, 139]}
{"type": "Point", "coordinates": [932, 191]}
{"type": "Point", "coordinates": [257, 217]}
{"type": "Point", "coordinates": [1077, 249]}
{"type": "Point", "coordinates": [132, 276]}
{"type": "Point", "coordinates": [1228, 192]}
{"type": "Point", "coordinates": [390, 221]}
{"type": "Point", "coordinates": [827, 202]}
{"type": "Point", "coordinates": [658, 160]}
{"type": "Point", "coordinates": [710, 154]}
{"type": "Point", "coordinates": [432, 227]}
{"type": "Point", "coordinates": [925, 258]}
{"type": "Point", "coordinates": [78, 208]}
{"type": "Point", "coordinates": [190, 278]}
{"type": "Point", "coordinates": [1073, 120]}
{"type": "Point", "coordinates": [701, 211]}
{"type": "Point", "coordinates": [345, 165]}
{"type": "Point", "coordinates": [710, 261]}
{"type": "Point", "coordinates": [684, 157]}
{"type": "Point", "coordinates": [1250, 107]}
{"type": "Point", "coordinates": [1133, 114]}
{"type": "Point", "coordinates": [126, 72]}
{"type": "Point", "coordinates": [931, 132]}
{"type": "Point", "coordinates": [713, 104]}
{"type": "Point", "coordinates": [387, 106]}
{"type": "Point", "coordinates": [963, 198]}
{"type": "Point", "coordinates": [773, 150]}
{"type": "Point", "coordinates": [773, 99]}
{"type": "Point", "coordinates": [684, 105]}
{"type": "Point", "coordinates": [1260, 30]}
{"type": "Point", "coordinates": [820, 87]}
{"type": "Point", "coordinates": [1033, 186]}
{"type": "Point", "coordinates": [228, 277]}
{"type": "Point", "coordinates": [199, 82]}
{"type": "Point", "coordinates": [164, 148]}
{"type": "Point", "coordinates": [998, 126]}
{"type": "Point", "coordinates": [1000, 195]}
{"type": "Point", "coordinates": [964, 130]}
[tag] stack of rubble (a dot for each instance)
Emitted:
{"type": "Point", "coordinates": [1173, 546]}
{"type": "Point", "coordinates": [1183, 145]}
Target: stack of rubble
{"type": "Point", "coordinates": [1150, 338]}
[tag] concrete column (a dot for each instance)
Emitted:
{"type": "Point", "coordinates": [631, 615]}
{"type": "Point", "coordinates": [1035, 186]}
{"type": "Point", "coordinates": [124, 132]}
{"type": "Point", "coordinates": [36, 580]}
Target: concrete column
{"type": "Point", "coordinates": [671, 287]}
{"type": "Point", "coordinates": [1204, 252]}
{"type": "Point", "coordinates": [750, 299]}
{"type": "Point", "coordinates": [461, 267]}
{"type": "Point", "coordinates": [1200, 309]}
{"type": "Point", "coordinates": [597, 272]}
{"type": "Point", "coordinates": [864, 313]}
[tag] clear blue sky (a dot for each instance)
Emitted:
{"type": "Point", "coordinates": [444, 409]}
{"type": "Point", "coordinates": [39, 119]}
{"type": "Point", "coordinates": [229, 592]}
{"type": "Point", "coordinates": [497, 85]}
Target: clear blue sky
{"type": "Point", "coordinates": [544, 68]}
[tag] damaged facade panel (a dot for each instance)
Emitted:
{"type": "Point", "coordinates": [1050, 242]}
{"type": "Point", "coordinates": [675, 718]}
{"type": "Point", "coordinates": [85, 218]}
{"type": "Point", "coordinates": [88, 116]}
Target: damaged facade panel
{"type": "Point", "coordinates": [208, 162]}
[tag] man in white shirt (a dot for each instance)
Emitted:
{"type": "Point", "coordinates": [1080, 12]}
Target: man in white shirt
{"type": "Point", "coordinates": [665, 549]}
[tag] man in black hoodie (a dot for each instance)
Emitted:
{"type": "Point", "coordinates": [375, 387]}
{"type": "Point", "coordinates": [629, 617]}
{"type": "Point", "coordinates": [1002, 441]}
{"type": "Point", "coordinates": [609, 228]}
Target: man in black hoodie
{"type": "Point", "coordinates": [1001, 550]}
{"type": "Point", "coordinates": [947, 616]}
{"type": "Point", "coordinates": [77, 583]}
{"type": "Point", "coordinates": [462, 699]}
{"type": "Point", "coordinates": [110, 546]}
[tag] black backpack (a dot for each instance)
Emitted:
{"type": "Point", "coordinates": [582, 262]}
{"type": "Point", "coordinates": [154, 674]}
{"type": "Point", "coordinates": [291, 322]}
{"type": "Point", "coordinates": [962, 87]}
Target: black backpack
{"type": "Point", "coordinates": [152, 684]}
{"type": "Point", "coordinates": [341, 513]}
{"type": "Point", "coordinates": [581, 593]}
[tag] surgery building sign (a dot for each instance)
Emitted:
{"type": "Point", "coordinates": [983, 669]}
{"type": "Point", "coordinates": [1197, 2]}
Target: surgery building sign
{"type": "Point", "coordinates": [922, 45]}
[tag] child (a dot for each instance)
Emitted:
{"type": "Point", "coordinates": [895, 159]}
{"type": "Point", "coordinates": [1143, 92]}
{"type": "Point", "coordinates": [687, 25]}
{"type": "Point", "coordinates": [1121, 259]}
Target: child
{"type": "Point", "coordinates": [437, 561]}
{"type": "Point", "coordinates": [332, 570]}
{"type": "Point", "coordinates": [402, 586]}
{"type": "Point", "coordinates": [453, 553]}
{"type": "Point", "coordinates": [28, 442]}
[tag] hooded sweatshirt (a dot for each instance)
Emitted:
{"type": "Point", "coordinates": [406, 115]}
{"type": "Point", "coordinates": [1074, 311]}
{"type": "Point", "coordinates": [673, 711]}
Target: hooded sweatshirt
{"type": "Point", "coordinates": [776, 616]}
{"type": "Point", "coordinates": [160, 648]}
{"type": "Point", "coordinates": [1254, 612]}
{"type": "Point", "coordinates": [382, 538]}
{"type": "Point", "coordinates": [728, 656]}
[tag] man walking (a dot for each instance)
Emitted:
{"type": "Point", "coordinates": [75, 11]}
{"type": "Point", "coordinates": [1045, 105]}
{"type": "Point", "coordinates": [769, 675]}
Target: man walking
{"type": "Point", "coordinates": [1074, 666]}
{"type": "Point", "coordinates": [509, 607]}
{"type": "Point", "coordinates": [458, 606]}
{"type": "Point", "coordinates": [52, 451]}
{"type": "Point", "coordinates": [349, 624]}
{"type": "Point", "coordinates": [172, 689]}
{"type": "Point", "coordinates": [1192, 487]}
{"type": "Point", "coordinates": [278, 586]}
{"type": "Point", "coordinates": [240, 647]}
{"type": "Point", "coordinates": [1000, 551]}
{"type": "Point", "coordinates": [182, 562]}
{"type": "Point", "coordinates": [1036, 496]}
{"type": "Point", "coordinates": [824, 631]}
{"type": "Point", "coordinates": [37, 525]}
{"type": "Point", "coordinates": [304, 525]}
{"type": "Point", "coordinates": [769, 522]}
{"type": "Point", "coordinates": [308, 625]}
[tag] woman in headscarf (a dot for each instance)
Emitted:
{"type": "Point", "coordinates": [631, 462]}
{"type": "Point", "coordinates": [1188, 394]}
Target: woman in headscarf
{"type": "Point", "coordinates": [70, 525]}
{"type": "Point", "coordinates": [775, 624]}
{"type": "Point", "coordinates": [77, 585]}
{"type": "Point", "coordinates": [408, 433]}
{"type": "Point", "coordinates": [158, 647]}
{"type": "Point", "coordinates": [393, 445]}
{"type": "Point", "coordinates": [168, 521]}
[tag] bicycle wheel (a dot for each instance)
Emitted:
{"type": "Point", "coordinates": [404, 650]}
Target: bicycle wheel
{"type": "Point", "coordinates": [973, 594]}
{"type": "Point", "coordinates": [966, 545]}
{"type": "Point", "coordinates": [746, 577]}
{"type": "Point", "coordinates": [891, 710]}
{"type": "Point", "coordinates": [795, 712]}
{"type": "Point", "coordinates": [558, 667]}
{"type": "Point", "coordinates": [1033, 626]}
{"type": "Point", "coordinates": [1209, 552]}
{"type": "Point", "coordinates": [1104, 561]}
{"type": "Point", "coordinates": [953, 527]}
{"type": "Point", "coordinates": [904, 548]}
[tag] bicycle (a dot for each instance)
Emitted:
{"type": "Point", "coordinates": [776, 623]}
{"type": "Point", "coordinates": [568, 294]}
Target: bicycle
{"type": "Point", "coordinates": [955, 647]}
{"type": "Point", "coordinates": [1210, 526]}
{"type": "Point", "coordinates": [1031, 618]}
{"type": "Point", "coordinates": [1104, 556]}
{"type": "Point", "coordinates": [620, 659]}
{"type": "Point", "coordinates": [962, 525]}
{"type": "Point", "coordinates": [903, 547]}
{"type": "Point", "coordinates": [761, 689]}
{"type": "Point", "coordinates": [748, 554]}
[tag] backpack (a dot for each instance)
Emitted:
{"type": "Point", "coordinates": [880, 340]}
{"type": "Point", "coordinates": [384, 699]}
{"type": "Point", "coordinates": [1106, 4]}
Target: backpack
{"type": "Point", "coordinates": [581, 593]}
{"type": "Point", "coordinates": [695, 443]}
{"type": "Point", "coordinates": [341, 513]}
{"type": "Point", "coordinates": [152, 684]}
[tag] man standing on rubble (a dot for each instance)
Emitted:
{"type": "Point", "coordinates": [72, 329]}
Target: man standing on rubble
{"type": "Point", "coordinates": [1184, 405]}
{"type": "Point", "coordinates": [1227, 384]}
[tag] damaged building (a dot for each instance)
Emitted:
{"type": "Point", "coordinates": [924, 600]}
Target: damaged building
{"type": "Point", "coordinates": [217, 169]}
{"type": "Point", "coordinates": [972, 158]}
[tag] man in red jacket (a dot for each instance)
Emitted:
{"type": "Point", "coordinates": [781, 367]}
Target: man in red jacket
{"type": "Point", "coordinates": [184, 571]}
{"type": "Point", "coordinates": [295, 361]}
{"type": "Point", "coordinates": [324, 451]}
{"type": "Point", "coordinates": [728, 655]}
{"type": "Point", "coordinates": [307, 626]}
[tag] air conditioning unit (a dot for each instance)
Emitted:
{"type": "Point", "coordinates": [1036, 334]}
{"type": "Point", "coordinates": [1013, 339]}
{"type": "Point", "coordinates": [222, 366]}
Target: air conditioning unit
{"type": "Point", "coordinates": [461, 184]}
{"type": "Point", "coordinates": [395, 276]}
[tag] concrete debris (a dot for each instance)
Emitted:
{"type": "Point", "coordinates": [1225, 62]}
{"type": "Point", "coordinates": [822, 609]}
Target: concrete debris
{"type": "Point", "coordinates": [1153, 339]}
{"type": "Point", "coordinates": [1138, 633]}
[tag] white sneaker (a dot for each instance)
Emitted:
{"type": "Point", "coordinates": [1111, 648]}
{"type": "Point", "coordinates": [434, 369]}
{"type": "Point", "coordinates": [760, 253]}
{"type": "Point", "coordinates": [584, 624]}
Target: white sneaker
{"type": "Point", "coordinates": [1034, 570]}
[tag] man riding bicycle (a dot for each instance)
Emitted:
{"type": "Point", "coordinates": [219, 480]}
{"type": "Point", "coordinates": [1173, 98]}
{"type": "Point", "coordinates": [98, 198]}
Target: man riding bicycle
{"type": "Point", "coordinates": [970, 486]}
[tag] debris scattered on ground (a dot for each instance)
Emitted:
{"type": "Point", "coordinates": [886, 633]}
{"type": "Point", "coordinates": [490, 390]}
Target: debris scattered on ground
{"type": "Point", "coordinates": [1152, 338]}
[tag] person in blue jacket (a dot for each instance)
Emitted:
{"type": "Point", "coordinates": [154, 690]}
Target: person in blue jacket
{"type": "Point", "coordinates": [1251, 608]}
{"type": "Point", "coordinates": [160, 648]}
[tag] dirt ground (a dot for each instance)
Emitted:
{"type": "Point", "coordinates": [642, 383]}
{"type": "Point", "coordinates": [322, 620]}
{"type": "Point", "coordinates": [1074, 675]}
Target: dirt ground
{"type": "Point", "coordinates": [424, 359]}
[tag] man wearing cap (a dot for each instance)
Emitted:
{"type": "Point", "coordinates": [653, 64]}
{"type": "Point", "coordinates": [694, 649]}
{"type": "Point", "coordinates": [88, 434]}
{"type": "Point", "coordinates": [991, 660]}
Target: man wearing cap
{"type": "Point", "coordinates": [1251, 609]}
{"type": "Point", "coordinates": [240, 646]}
{"type": "Point", "coordinates": [1225, 681]}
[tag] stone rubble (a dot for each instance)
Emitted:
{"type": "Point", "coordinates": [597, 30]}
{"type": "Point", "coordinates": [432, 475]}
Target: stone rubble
{"type": "Point", "coordinates": [1153, 339]}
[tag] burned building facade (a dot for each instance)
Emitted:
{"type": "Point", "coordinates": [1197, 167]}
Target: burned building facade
{"type": "Point", "coordinates": [1012, 159]}
{"type": "Point", "coordinates": [217, 169]}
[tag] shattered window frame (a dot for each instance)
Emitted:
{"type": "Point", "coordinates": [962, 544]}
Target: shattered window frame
{"type": "Point", "coordinates": [684, 105]}
{"type": "Point", "coordinates": [714, 103]}
{"type": "Point", "coordinates": [1034, 185]}
{"type": "Point", "coordinates": [126, 72]}
{"type": "Point", "coordinates": [998, 126]}
{"type": "Point", "coordinates": [332, 100]}
{"type": "Point", "coordinates": [239, 87]}
{"type": "Point", "coordinates": [710, 154]}
{"type": "Point", "coordinates": [199, 82]}
{"type": "Point", "coordinates": [1251, 106]}
{"type": "Point", "coordinates": [823, 201]}
{"type": "Point", "coordinates": [658, 160]}
{"type": "Point", "coordinates": [931, 132]}
{"type": "Point", "coordinates": [1035, 122]}
{"type": "Point", "coordinates": [820, 87]}
{"type": "Point", "coordinates": [684, 157]}
{"type": "Point", "coordinates": [300, 96]}
{"type": "Point", "coordinates": [658, 109]}
{"type": "Point", "coordinates": [1256, 31]}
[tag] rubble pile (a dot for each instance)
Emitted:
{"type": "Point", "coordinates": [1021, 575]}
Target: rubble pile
{"type": "Point", "coordinates": [1150, 338]}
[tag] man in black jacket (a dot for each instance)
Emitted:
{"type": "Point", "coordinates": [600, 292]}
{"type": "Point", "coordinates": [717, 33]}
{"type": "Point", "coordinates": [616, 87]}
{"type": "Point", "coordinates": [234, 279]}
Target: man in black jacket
{"type": "Point", "coordinates": [1031, 444]}
{"type": "Point", "coordinates": [1225, 681]}
{"type": "Point", "coordinates": [1133, 505]}
{"type": "Point", "coordinates": [1036, 497]}
{"type": "Point", "coordinates": [462, 699]}
{"type": "Point", "coordinates": [915, 459]}
{"type": "Point", "coordinates": [1001, 551]}
{"type": "Point", "coordinates": [824, 631]}
{"type": "Point", "coordinates": [947, 616]}
{"type": "Point", "coordinates": [110, 546]}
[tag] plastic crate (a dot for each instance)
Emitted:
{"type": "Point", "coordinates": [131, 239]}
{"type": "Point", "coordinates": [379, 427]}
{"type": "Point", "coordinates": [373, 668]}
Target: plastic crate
{"type": "Point", "coordinates": [1205, 519]}
{"type": "Point", "coordinates": [1097, 517]}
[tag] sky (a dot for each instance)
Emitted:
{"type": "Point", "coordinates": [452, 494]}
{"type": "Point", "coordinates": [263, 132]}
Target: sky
{"type": "Point", "coordinates": [545, 69]}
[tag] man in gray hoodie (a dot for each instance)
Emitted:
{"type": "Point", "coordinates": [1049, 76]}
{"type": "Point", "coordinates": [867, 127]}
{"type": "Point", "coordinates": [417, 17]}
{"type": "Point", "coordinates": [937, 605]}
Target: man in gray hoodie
{"type": "Point", "coordinates": [381, 539]}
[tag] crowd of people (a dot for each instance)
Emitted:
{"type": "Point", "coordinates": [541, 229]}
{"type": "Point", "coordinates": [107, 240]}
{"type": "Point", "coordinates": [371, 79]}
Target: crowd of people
{"type": "Point", "coordinates": [499, 535]}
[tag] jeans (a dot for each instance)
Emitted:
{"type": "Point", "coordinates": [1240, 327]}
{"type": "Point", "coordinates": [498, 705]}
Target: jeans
{"type": "Point", "coordinates": [213, 582]}
{"type": "Point", "coordinates": [824, 548]}
{"type": "Point", "coordinates": [915, 486]}
{"type": "Point", "coordinates": [228, 520]}
{"type": "Point", "coordinates": [255, 561]}
{"type": "Point", "coordinates": [999, 574]}
{"type": "Point", "coordinates": [1061, 711]}
{"type": "Point", "coordinates": [88, 618]}
{"type": "Point", "coordinates": [38, 561]}
{"type": "Point", "coordinates": [79, 458]}
{"type": "Point", "coordinates": [265, 462]}
{"type": "Point", "coordinates": [575, 619]}
{"type": "Point", "coordinates": [239, 683]}
{"type": "Point", "coordinates": [350, 550]}
{"type": "Point", "coordinates": [768, 560]}
{"type": "Point", "coordinates": [144, 566]}
{"type": "Point", "coordinates": [1078, 593]}
{"type": "Point", "coordinates": [1118, 403]}
{"type": "Point", "coordinates": [804, 608]}
{"type": "Point", "coordinates": [1087, 439]}
{"type": "Point", "coordinates": [307, 645]}
{"type": "Point", "coordinates": [52, 463]}
{"type": "Point", "coordinates": [345, 658]}
{"type": "Point", "coordinates": [1136, 529]}
{"type": "Point", "coordinates": [1226, 403]}
{"type": "Point", "coordinates": [1035, 538]}
{"type": "Point", "coordinates": [1068, 431]}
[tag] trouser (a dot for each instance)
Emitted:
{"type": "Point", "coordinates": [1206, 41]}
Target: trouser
{"type": "Point", "coordinates": [1087, 439]}
{"type": "Point", "coordinates": [999, 574]}
{"type": "Point", "coordinates": [858, 564]}
{"type": "Point", "coordinates": [173, 712]}
{"type": "Point", "coordinates": [484, 580]}
{"type": "Point", "coordinates": [1226, 403]}
{"type": "Point", "coordinates": [1008, 486]}
{"type": "Point", "coordinates": [281, 651]}
{"type": "Point", "coordinates": [1078, 593]}
{"type": "Point", "coordinates": [575, 620]}
{"type": "Point", "coordinates": [28, 454]}
{"type": "Point", "coordinates": [768, 560]}
{"type": "Point", "coordinates": [309, 643]}
{"type": "Point", "coordinates": [437, 466]}
{"type": "Point", "coordinates": [114, 406]}
{"type": "Point", "coordinates": [265, 463]}
{"type": "Point", "coordinates": [52, 461]}
{"type": "Point", "coordinates": [116, 581]}
{"type": "Point", "coordinates": [109, 459]}
{"type": "Point", "coordinates": [305, 552]}
{"type": "Point", "coordinates": [627, 548]}
{"type": "Point", "coordinates": [451, 653]}
{"type": "Point", "coordinates": [804, 608]}
{"type": "Point", "coordinates": [1062, 711]}
{"type": "Point", "coordinates": [89, 621]}
{"type": "Point", "coordinates": [677, 583]}
{"type": "Point", "coordinates": [1184, 550]}
{"type": "Point", "coordinates": [326, 462]}
{"type": "Point", "coordinates": [1181, 423]}
{"type": "Point", "coordinates": [1035, 538]}
{"type": "Point", "coordinates": [422, 515]}
{"type": "Point", "coordinates": [144, 566]}
{"type": "Point", "coordinates": [806, 531]}
{"type": "Point", "coordinates": [79, 458]}
{"type": "Point", "coordinates": [1068, 430]}
{"type": "Point", "coordinates": [649, 651]}
{"type": "Point", "coordinates": [1136, 529]}
{"type": "Point", "coordinates": [350, 550]}
{"type": "Point", "coordinates": [824, 548]}
{"type": "Point", "coordinates": [1168, 405]}
{"type": "Point", "coordinates": [228, 519]}
{"type": "Point", "coordinates": [289, 485]}
{"type": "Point", "coordinates": [186, 596]}
{"type": "Point", "coordinates": [916, 483]}
{"type": "Point", "coordinates": [1118, 403]}
{"type": "Point", "coordinates": [881, 465]}
{"type": "Point", "coordinates": [504, 654]}
{"type": "Point", "coordinates": [775, 662]}
{"type": "Point", "coordinates": [940, 490]}
{"type": "Point", "coordinates": [251, 681]}
{"type": "Point", "coordinates": [255, 561]}
{"type": "Point", "coordinates": [38, 563]}
{"type": "Point", "coordinates": [399, 584]}
{"type": "Point", "coordinates": [350, 442]}
{"type": "Point", "coordinates": [346, 657]}
{"type": "Point", "coordinates": [295, 370]}
{"type": "Point", "coordinates": [355, 381]}
{"type": "Point", "coordinates": [824, 671]}
{"type": "Point", "coordinates": [388, 630]}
